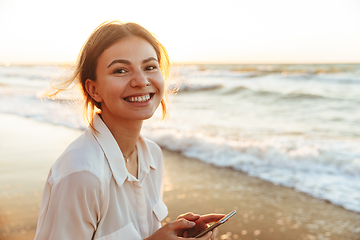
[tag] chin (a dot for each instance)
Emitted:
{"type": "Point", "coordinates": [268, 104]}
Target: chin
{"type": "Point", "coordinates": [143, 116]}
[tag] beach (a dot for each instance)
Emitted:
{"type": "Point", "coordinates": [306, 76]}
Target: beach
{"type": "Point", "coordinates": [293, 125]}
{"type": "Point", "coordinates": [28, 148]}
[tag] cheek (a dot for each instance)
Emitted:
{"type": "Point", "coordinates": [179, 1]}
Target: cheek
{"type": "Point", "coordinates": [111, 93]}
{"type": "Point", "coordinates": [113, 90]}
{"type": "Point", "coordinates": [162, 88]}
{"type": "Point", "coordinates": [160, 84]}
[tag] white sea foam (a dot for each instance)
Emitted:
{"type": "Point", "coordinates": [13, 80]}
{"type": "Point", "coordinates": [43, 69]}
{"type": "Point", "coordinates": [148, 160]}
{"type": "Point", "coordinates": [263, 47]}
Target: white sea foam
{"type": "Point", "coordinates": [183, 87]}
{"type": "Point", "coordinates": [305, 166]}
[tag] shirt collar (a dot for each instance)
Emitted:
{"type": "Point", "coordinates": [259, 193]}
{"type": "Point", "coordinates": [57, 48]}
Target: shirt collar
{"type": "Point", "coordinates": [115, 157]}
{"type": "Point", "coordinates": [146, 160]}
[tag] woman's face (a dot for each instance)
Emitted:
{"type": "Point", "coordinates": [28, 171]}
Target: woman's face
{"type": "Point", "coordinates": [129, 82]}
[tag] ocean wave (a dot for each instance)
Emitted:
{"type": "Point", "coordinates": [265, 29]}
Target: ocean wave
{"type": "Point", "coordinates": [228, 74]}
{"type": "Point", "coordinates": [295, 95]}
{"type": "Point", "coordinates": [253, 70]}
{"type": "Point", "coordinates": [199, 71]}
{"type": "Point", "coordinates": [31, 72]}
{"type": "Point", "coordinates": [263, 93]}
{"type": "Point", "coordinates": [325, 78]}
{"type": "Point", "coordinates": [283, 161]}
{"type": "Point", "coordinates": [27, 77]}
{"type": "Point", "coordinates": [278, 152]}
{"type": "Point", "coordinates": [324, 170]}
{"type": "Point", "coordinates": [243, 110]}
{"type": "Point", "coordinates": [184, 87]}
{"type": "Point", "coordinates": [245, 91]}
{"type": "Point", "coordinates": [59, 112]}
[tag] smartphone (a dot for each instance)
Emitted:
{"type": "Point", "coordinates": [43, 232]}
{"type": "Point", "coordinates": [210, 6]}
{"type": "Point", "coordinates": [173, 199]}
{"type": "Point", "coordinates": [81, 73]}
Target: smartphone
{"type": "Point", "coordinates": [216, 224]}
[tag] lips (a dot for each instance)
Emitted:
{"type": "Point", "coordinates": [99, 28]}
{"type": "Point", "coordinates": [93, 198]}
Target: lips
{"type": "Point", "coordinates": [140, 98]}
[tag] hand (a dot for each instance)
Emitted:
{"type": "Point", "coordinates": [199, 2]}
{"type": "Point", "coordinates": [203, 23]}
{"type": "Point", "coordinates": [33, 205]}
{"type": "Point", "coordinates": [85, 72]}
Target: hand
{"type": "Point", "coordinates": [169, 231]}
{"type": "Point", "coordinates": [201, 223]}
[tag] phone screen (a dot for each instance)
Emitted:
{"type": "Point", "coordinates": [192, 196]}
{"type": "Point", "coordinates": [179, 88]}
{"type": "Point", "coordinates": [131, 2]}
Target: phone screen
{"type": "Point", "coordinates": [216, 224]}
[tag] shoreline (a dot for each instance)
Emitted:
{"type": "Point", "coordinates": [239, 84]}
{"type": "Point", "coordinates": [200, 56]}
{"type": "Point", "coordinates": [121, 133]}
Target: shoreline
{"type": "Point", "coordinates": [264, 210]}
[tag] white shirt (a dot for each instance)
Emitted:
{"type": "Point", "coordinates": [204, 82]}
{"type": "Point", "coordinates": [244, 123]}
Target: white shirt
{"type": "Point", "coordinates": [89, 194]}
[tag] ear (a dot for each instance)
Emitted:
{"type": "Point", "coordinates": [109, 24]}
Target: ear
{"type": "Point", "coordinates": [91, 88]}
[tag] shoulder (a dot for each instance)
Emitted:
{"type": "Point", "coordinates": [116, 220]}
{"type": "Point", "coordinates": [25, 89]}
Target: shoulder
{"type": "Point", "coordinates": [83, 154]}
{"type": "Point", "coordinates": [154, 154]}
{"type": "Point", "coordinates": [154, 151]}
{"type": "Point", "coordinates": [153, 147]}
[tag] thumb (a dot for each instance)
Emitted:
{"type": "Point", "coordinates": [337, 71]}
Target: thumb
{"type": "Point", "coordinates": [181, 224]}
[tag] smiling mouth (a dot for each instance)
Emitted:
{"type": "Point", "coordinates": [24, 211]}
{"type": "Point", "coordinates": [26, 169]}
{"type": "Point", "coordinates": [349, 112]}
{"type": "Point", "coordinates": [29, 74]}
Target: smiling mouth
{"type": "Point", "coordinates": [139, 99]}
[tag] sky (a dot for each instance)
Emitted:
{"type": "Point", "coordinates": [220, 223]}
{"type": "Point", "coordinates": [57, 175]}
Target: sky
{"type": "Point", "coordinates": [207, 31]}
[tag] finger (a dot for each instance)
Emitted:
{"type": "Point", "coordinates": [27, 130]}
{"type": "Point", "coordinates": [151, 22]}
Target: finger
{"type": "Point", "coordinates": [212, 217]}
{"type": "Point", "coordinates": [214, 234]}
{"type": "Point", "coordinates": [206, 236]}
{"type": "Point", "coordinates": [189, 216]}
{"type": "Point", "coordinates": [181, 224]}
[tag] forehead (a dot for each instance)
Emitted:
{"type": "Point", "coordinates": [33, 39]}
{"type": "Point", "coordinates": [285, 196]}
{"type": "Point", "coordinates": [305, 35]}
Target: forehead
{"type": "Point", "coordinates": [131, 48]}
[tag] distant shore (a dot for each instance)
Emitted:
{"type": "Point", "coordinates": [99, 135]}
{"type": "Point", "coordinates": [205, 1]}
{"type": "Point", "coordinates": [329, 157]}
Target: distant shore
{"type": "Point", "coordinates": [264, 211]}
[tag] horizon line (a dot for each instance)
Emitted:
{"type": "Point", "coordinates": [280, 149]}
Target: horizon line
{"type": "Point", "coordinates": [65, 63]}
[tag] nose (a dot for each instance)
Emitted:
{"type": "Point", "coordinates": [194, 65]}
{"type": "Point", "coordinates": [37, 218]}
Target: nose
{"type": "Point", "coordinates": [139, 79]}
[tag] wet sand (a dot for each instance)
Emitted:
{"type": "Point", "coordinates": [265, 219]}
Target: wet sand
{"type": "Point", "coordinates": [264, 210]}
{"type": "Point", "coordinates": [27, 151]}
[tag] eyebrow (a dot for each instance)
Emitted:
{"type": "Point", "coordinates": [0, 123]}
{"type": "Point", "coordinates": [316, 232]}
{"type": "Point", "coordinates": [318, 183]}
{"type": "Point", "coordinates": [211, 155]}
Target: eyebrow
{"type": "Point", "coordinates": [129, 63]}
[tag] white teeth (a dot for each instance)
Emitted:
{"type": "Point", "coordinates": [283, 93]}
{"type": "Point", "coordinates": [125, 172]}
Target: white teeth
{"type": "Point", "coordinates": [139, 99]}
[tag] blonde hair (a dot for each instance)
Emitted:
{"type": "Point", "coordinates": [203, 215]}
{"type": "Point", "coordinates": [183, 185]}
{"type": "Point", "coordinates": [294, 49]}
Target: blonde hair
{"type": "Point", "coordinates": [105, 35]}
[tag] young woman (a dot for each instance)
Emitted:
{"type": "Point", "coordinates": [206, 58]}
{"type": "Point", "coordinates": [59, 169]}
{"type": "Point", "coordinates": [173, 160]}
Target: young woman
{"type": "Point", "coordinates": [108, 184]}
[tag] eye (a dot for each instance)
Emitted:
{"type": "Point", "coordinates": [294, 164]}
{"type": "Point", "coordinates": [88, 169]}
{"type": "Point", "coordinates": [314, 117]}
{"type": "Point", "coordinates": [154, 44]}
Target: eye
{"type": "Point", "coordinates": [120, 70]}
{"type": "Point", "coordinates": [150, 67]}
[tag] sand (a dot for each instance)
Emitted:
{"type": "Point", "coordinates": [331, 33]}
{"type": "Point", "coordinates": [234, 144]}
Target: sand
{"type": "Point", "coordinates": [264, 211]}
{"type": "Point", "coordinates": [27, 151]}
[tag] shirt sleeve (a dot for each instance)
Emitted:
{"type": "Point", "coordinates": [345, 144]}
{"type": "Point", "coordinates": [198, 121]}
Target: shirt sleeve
{"type": "Point", "coordinates": [70, 207]}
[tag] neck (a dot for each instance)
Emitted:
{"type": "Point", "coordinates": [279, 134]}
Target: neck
{"type": "Point", "coordinates": [126, 132]}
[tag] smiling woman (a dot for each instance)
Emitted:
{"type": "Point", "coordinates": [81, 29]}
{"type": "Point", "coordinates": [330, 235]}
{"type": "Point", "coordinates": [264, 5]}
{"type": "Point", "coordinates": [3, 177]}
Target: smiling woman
{"type": "Point", "coordinates": [100, 43]}
{"type": "Point", "coordinates": [108, 184]}
{"type": "Point", "coordinates": [127, 73]}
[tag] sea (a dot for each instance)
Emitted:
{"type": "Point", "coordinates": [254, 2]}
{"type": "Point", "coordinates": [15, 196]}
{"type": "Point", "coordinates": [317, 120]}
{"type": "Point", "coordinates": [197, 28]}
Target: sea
{"type": "Point", "coordinates": [295, 125]}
